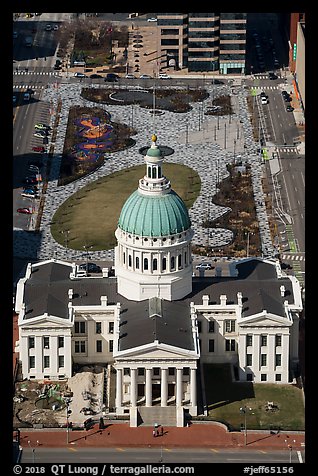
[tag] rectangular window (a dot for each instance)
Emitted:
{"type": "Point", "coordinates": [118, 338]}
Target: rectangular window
{"type": "Point", "coordinates": [141, 371]}
{"type": "Point", "coordinates": [111, 345]}
{"type": "Point", "coordinates": [249, 340]}
{"type": "Point", "coordinates": [99, 346]}
{"type": "Point", "coordinates": [249, 377]}
{"type": "Point", "coordinates": [186, 371]}
{"type": "Point", "coordinates": [211, 326]}
{"type": "Point", "coordinates": [278, 340]}
{"type": "Point", "coordinates": [61, 361]}
{"type": "Point", "coordinates": [211, 345]}
{"type": "Point", "coordinates": [230, 345]}
{"type": "Point", "coordinates": [263, 360]}
{"type": "Point", "coordinates": [46, 342]}
{"type": "Point", "coordinates": [263, 377]}
{"type": "Point", "coordinates": [80, 327]}
{"type": "Point", "coordinates": [229, 325]}
{"type": "Point", "coordinates": [46, 361]}
{"type": "Point", "coordinates": [31, 342]}
{"type": "Point", "coordinates": [171, 370]}
{"type": "Point", "coordinates": [60, 341]}
{"type": "Point", "coordinates": [249, 360]}
{"type": "Point", "coordinates": [126, 371]}
{"type": "Point", "coordinates": [263, 341]}
{"type": "Point", "coordinates": [98, 327]}
{"type": "Point", "coordinates": [111, 328]}
{"type": "Point", "coordinates": [80, 346]}
{"type": "Point", "coordinates": [32, 362]}
{"type": "Point", "coordinates": [156, 371]}
{"type": "Point", "coordinates": [278, 377]}
{"type": "Point", "coordinates": [199, 326]}
{"type": "Point", "coordinates": [278, 360]}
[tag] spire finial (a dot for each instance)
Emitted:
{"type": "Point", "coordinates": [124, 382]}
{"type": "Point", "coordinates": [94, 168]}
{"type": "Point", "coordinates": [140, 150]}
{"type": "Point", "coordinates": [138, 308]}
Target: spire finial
{"type": "Point", "coordinates": [154, 138]}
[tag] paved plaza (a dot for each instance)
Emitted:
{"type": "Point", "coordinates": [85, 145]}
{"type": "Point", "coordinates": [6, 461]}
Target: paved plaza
{"type": "Point", "coordinates": [206, 143]}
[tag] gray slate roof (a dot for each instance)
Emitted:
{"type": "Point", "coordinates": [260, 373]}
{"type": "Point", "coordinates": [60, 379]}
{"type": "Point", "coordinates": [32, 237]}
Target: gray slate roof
{"type": "Point", "coordinates": [140, 323]}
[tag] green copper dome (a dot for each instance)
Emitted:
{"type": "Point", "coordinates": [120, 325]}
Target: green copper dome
{"type": "Point", "coordinates": [147, 215]}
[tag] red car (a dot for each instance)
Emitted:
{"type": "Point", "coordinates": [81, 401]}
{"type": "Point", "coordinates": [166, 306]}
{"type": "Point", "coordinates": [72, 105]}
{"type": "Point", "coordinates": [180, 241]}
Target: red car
{"type": "Point", "coordinates": [27, 211]}
{"type": "Point", "coordinates": [38, 149]}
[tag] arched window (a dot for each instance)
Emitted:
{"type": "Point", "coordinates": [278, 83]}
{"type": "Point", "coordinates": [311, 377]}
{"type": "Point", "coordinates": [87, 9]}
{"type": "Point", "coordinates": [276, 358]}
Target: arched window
{"type": "Point", "coordinates": [155, 264]}
{"type": "Point", "coordinates": [172, 262]}
{"type": "Point", "coordinates": [146, 264]}
{"type": "Point", "coordinates": [164, 264]}
{"type": "Point", "coordinates": [149, 172]}
{"type": "Point", "coordinates": [179, 261]}
{"type": "Point", "coordinates": [154, 172]}
{"type": "Point", "coordinates": [159, 172]}
{"type": "Point", "coordinates": [137, 262]}
{"type": "Point", "coordinates": [124, 256]}
{"type": "Point", "coordinates": [129, 260]}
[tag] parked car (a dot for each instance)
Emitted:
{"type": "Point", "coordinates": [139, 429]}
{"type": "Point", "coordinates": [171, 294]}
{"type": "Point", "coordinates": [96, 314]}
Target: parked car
{"type": "Point", "coordinates": [95, 76]}
{"type": "Point", "coordinates": [272, 75]}
{"type": "Point", "coordinates": [264, 100]}
{"type": "Point", "coordinates": [130, 76]}
{"type": "Point", "coordinates": [145, 76]}
{"type": "Point", "coordinates": [263, 95]}
{"type": "Point", "coordinates": [28, 195]}
{"type": "Point", "coordinates": [41, 125]}
{"type": "Point", "coordinates": [14, 99]}
{"type": "Point", "coordinates": [152, 19]}
{"type": "Point", "coordinates": [79, 75]}
{"type": "Point", "coordinates": [48, 28]}
{"type": "Point", "coordinates": [55, 27]}
{"type": "Point", "coordinates": [90, 267]}
{"type": "Point", "coordinates": [39, 134]}
{"type": "Point", "coordinates": [38, 148]}
{"type": "Point", "coordinates": [289, 108]}
{"type": "Point", "coordinates": [26, 97]}
{"type": "Point", "coordinates": [164, 76]}
{"type": "Point", "coordinates": [111, 77]}
{"type": "Point", "coordinates": [31, 191]}
{"type": "Point", "coordinates": [204, 266]}
{"type": "Point", "coordinates": [26, 211]}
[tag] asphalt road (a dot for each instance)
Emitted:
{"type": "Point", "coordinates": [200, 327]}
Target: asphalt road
{"type": "Point", "coordinates": [156, 455]}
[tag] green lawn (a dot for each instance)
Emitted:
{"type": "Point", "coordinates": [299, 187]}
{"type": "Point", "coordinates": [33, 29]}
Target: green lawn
{"type": "Point", "coordinates": [224, 399]}
{"type": "Point", "coordinates": [91, 215]}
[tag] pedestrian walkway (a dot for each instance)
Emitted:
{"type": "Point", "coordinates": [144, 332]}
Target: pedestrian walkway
{"type": "Point", "coordinates": [201, 435]}
{"type": "Point", "coordinates": [205, 143]}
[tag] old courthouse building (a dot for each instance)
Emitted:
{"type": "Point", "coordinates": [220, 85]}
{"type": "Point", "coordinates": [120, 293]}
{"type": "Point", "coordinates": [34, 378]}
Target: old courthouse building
{"type": "Point", "coordinates": [153, 323]}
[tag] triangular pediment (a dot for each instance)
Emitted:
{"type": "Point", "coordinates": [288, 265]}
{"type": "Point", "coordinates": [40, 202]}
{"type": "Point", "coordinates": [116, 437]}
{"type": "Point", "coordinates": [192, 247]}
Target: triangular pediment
{"type": "Point", "coordinates": [157, 351]}
{"type": "Point", "coordinates": [264, 320]}
{"type": "Point", "coordinates": [45, 322]}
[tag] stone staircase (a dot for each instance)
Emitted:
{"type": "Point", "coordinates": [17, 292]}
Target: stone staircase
{"type": "Point", "coordinates": [165, 416]}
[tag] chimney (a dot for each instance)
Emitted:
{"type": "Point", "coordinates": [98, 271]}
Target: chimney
{"type": "Point", "coordinates": [103, 300]}
{"type": "Point", "coordinates": [239, 298]}
{"type": "Point", "coordinates": [282, 291]}
{"type": "Point", "coordinates": [105, 272]}
{"type": "Point", "coordinates": [205, 299]}
{"type": "Point", "coordinates": [223, 299]}
{"type": "Point", "coordinates": [70, 294]}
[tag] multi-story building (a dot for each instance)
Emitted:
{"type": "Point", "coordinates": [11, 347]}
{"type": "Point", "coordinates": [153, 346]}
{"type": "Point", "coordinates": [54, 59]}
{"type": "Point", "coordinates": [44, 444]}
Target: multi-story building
{"type": "Point", "coordinates": [153, 323]}
{"type": "Point", "coordinates": [205, 42]}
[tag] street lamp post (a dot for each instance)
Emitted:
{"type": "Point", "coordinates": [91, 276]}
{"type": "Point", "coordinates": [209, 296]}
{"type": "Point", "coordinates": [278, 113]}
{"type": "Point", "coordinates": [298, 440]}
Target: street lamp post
{"type": "Point", "coordinates": [290, 450]}
{"type": "Point", "coordinates": [86, 248]}
{"type": "Point", "coordinates": [67, 402]}
{"type": "Point", "coordinates": [33, 450]}
{"type": "Point", "coordinates": [244, 411]}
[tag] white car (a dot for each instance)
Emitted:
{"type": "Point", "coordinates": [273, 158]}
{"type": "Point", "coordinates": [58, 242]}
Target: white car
{"type": "Point", "coordinates": [55, 27]}
{"type": "Point", "coordinates": [152, 19]}
{"type": "Point", "coordinates": [164, 76]}
{"type": "Point", "coordinates": [145, 76]}
{"type": "Point", "coordinates": [264, 100]}
{"type": "Point", "coordinates": [130, 76]}
{"type": "Point", "coordinates": [204, 266]}
{"type": "Point", "coordinates": [80, 75]}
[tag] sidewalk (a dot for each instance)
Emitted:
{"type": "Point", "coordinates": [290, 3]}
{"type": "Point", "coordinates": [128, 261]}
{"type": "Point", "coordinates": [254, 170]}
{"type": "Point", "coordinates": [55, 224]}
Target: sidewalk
{"type": "Point", "coordinates": [197, 435]}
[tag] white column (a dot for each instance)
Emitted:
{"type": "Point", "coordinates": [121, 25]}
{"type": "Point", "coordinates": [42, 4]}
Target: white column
{"type": "Point", "coordinates": [148, 388]}
{"type": "Point", "coordinates": [54, 353]}
{"type": "Point", "coordinates": [119, 387]}
{"type": "Point", "coordinates": [179, 388]}
{"type": "Point", "coordinates": [133, 392]}
{"type": "Point", "coordinates": [193, 387]}
{"type": "Point", "coordinates": [164, 387]}
{"type": "Point", "coordinates": [68, 355]}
